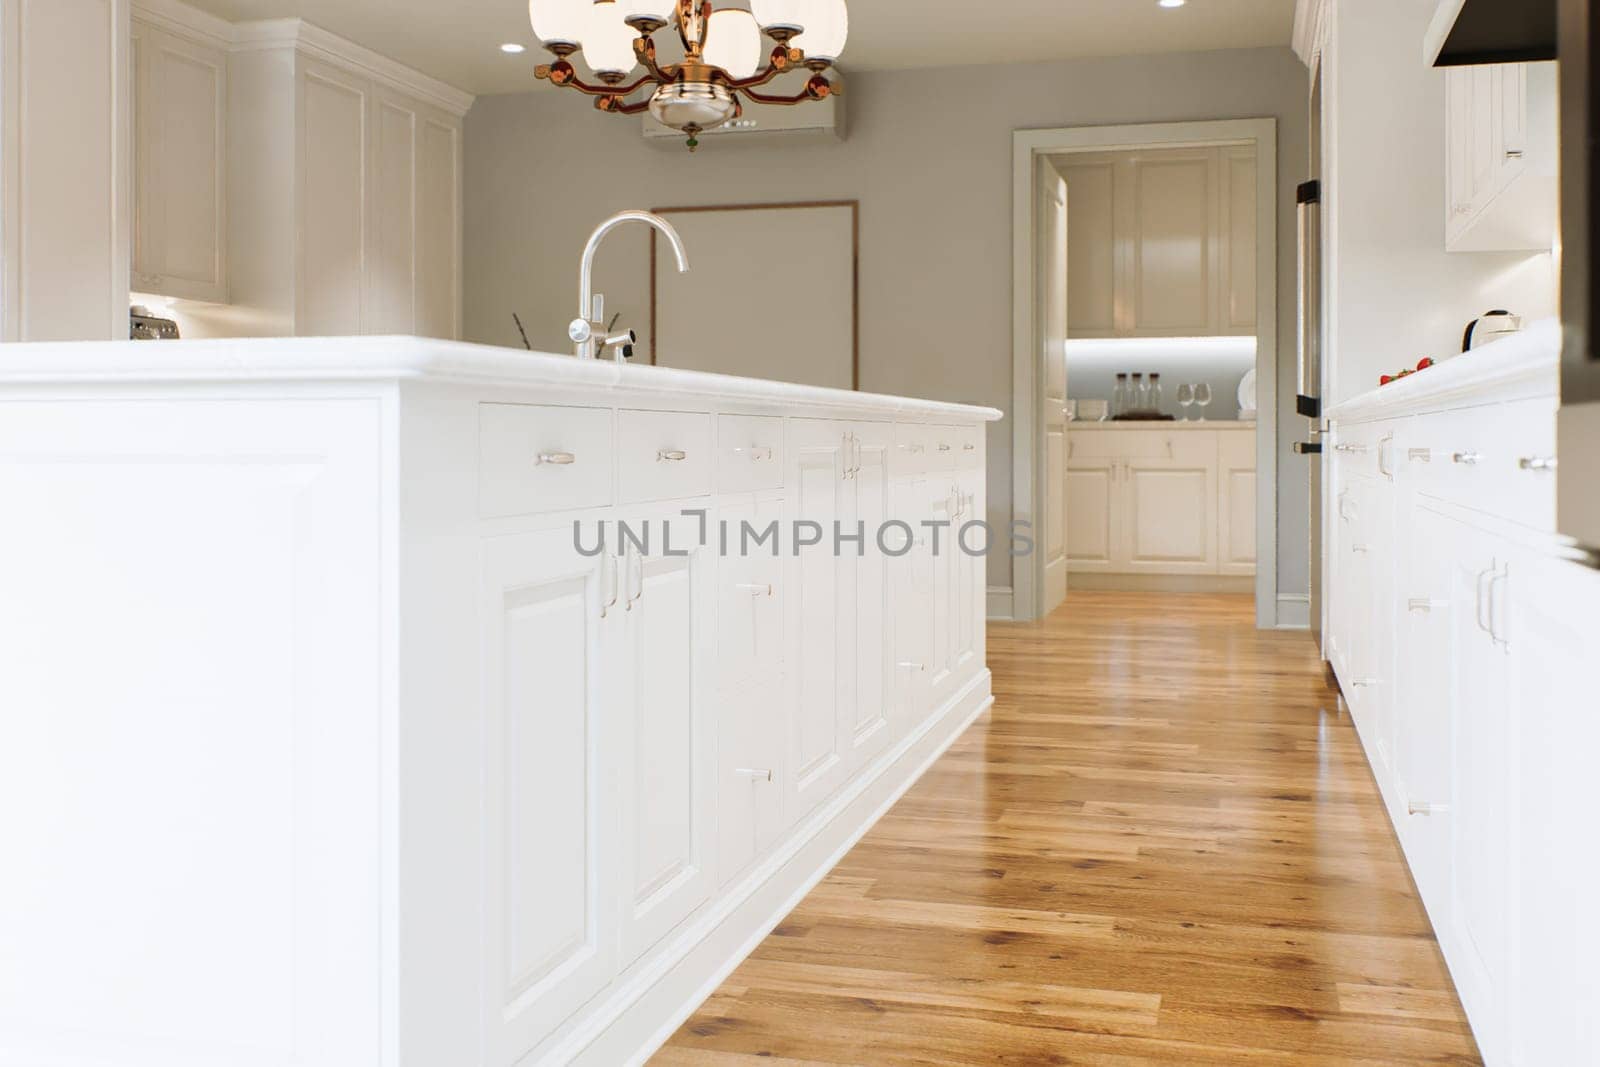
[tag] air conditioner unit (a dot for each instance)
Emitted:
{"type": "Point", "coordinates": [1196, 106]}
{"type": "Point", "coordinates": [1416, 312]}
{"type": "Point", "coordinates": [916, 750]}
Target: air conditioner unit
{"type": "Point", "coordinates": [813, 120]}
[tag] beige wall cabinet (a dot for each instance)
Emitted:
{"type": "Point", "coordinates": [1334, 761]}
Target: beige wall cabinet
{"type": "Point", "coordinates": [1161, 243]}
{"type": "Point", "coordinates": [1162, 502]}
{"type": "Point", "coordinates": [180, 101]}
{"type": "Point", "coordinates": [1501, 165]}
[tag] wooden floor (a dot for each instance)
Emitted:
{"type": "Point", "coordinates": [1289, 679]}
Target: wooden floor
{"type": "Point", "coordinates": [1162, 845]}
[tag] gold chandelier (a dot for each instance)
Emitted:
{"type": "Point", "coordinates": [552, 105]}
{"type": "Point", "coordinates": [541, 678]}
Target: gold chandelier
{"type": "Point", "coordinates": [722, 54]}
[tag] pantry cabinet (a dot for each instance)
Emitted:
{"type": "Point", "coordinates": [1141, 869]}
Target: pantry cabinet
{"type": "Point", "coordinates": [1162, 243]}
{"type": "Point", "coordinates": [1501, 166]}
{"type": "Point", "coordinates": [1175, 501]}
{"type": "Point", "coordinates": [180, 102]}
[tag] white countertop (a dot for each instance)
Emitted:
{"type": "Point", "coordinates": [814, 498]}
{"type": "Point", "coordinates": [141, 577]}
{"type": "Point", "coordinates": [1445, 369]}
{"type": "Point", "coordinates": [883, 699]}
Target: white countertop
{"type": "Point", "coordinates": [345, 359]}
{"type": "Point", "coordinates": [1521, 366]}
{"type": "Point", "coordinates": [1137, 424]}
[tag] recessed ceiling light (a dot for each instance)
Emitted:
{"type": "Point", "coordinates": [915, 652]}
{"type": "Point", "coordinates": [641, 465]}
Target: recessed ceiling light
{"type": "Point", "coordinates": [1172, 3]}
{"type": "Point", "coordinates": [511, 48]}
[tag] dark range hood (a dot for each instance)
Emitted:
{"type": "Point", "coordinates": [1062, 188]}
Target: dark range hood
{"type": "Point", "coordinates": [1469, 32]}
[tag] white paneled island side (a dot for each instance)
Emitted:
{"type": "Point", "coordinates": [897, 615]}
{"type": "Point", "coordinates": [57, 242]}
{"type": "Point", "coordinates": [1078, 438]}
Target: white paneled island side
{"type": "Point", "coordinates": [342, 724]}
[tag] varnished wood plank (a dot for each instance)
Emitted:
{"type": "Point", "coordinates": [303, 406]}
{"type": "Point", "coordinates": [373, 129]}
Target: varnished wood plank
{"type": "Point", "coordinates": [1162, 845]}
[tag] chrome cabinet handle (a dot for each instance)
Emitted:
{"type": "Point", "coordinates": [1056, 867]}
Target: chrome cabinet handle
{"type": "Point", "coordinates": [1355, 449]}
{"type": "Point", "coordinates": [1494, 631]}
{"type": "Point", "coordinates": [555, 459]}
{"type": "Point", "coordinates": [1481, 599]}
{"type": "Point", "coordinates": [1421, 807]}
{"type": "Point", "coordinates": [1420, 455]}
{"type": "Point", "coordinates": [1359, 548]}
{"type": "Point", "coordinates": [1513, 153]}
{"type": "Point", "coordinates": [756, 774]}
{"type": "Point", "coordinates": [1537, 463]}
{"type": "Point", "coordinates": [671, 455]}
{"type": "Point", "coordinates": [1383, 446]}
{"type": "Point", "coordinates": [757, 453]}
{"type": "Point", "coordinates": [754, 588]}
{"type": "Point", "coordinates": [1466, 459]}
{"type": "Point", "coordinates": [608, 581]}
{"type": "Point", "coordinates": [912, 665]}
{"type": "Point", "coordinates": [913, 448]}
{"type": "Point", "coordinates": [635, 578]}
{"type": "Point", "coordinates": [943, 447]}
{"type": "Point", "coordinates": [969, 447]}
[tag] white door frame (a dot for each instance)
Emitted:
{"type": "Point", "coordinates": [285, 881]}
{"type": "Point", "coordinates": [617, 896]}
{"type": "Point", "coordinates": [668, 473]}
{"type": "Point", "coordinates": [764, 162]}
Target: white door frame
{"type": "Point", "coordinates": [1027, 441]}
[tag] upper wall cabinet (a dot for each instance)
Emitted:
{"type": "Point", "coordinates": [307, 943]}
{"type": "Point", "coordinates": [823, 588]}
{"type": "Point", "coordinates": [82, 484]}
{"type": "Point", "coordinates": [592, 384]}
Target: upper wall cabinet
{"type": "Point", "coordinates": [1161, 243]}
{"type": "Point", "coordinates": [180, 99]}
{"type": "Point", "coordinates": [1501, 166]}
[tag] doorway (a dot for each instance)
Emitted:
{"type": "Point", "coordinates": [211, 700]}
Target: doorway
{"type": "Point", "coordinates": [1176, 513]}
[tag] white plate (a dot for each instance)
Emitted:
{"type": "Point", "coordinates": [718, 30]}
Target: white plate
{"type": "Point", "coordinates": [1247, 391]}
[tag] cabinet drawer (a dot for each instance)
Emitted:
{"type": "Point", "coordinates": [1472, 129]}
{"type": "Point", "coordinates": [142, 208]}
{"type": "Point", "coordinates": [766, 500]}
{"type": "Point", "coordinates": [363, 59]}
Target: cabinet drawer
{"type": "Point", "coordinates": [663, 455]}
{"type": "Point", "coordinates": [912, 445]}
{"type": "Point", "coordinates": [749, 453]}
{"type": "Point", "coordinates": [1474, 457]}
{"type": "Point", "coordinates": [1365, 449]}
{"type": "Point", "coordinates": [534, 459]}
{"type": "Point", "coordinates": [1193, 446]}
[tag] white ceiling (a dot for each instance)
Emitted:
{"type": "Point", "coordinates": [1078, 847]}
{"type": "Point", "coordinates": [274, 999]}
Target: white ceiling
{"type": "Point", "coordinates": [457, 40]}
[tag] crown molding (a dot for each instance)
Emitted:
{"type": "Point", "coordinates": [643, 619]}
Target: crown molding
{"type": "Point", "coordinates": [181, 20]}
{"type": "Point", "coordinates": [1310, 29]}
{"type": "Point", "coordinates": [304, 37]}
{"type": "Point", "coordinates": [312, 40]}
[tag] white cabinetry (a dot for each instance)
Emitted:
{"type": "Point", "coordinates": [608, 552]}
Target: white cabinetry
{"type": "Point", "coordinates": [1501, 164]}
{"type": "Point", "coordinates": [1464, 646]}
{"type": "Point", "coordinates": [1162, 242]}
{"type": "Point", "coordinates": [345, 190]}
{"type": "Point", "coordinates": [1175, 501]}
{"type": "Point", "coordinates": [180, 102]}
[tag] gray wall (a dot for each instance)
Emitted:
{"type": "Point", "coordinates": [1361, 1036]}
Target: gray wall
{"type": "Point", "coordinates": [929, 157]}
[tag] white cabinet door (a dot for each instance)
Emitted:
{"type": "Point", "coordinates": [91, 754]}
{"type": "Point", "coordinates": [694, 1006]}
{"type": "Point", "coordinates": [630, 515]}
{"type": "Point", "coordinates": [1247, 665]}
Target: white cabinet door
{"type": "Point", "coordinates": [334, 109]}
{"type": "Point", "coordinates": [666, 717]}
{"type": "Point", "coordinates": [821, 721]}
{"type": "Point", "coordinates": [413, 252]}
{"type": "Point", "coordinates": [942, 505]}
{"type": "Point", "coordinates": [1171, 246]}
{"type": "Point", "coordinates": [1236, 502]}
{"type": "Point", "coordinates": [971, 595]}
{"type": "Point", "coordinates": [1168, 516]}
{"type": "Point", "coordinates": [1236, 243]}
{"type": "Point", "coordinates": [1481, 902]}
{"type": "Point", "coordinates": [1092, 517]}
{"type": "Point", "coordinates": [1093, 256]}
{"type": "Point", "coordinates": [867, 630]}
{"type": "Point", "coordinates": [1425, 695]}
{"type": "Point", "coordinates": [180, 99]}
{"type": "Point", "coordinates": [913, 584]}
{"type": "Point", "coordinates": [550, 812]}
{"type": "Point", "coordinates": [1554, 631]}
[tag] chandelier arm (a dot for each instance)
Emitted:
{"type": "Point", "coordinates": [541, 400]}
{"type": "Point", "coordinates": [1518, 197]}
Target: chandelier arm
{"type": "Point", "coordinates": [645, 49]}
{"type": "Point", "coordinates": [816, 89]}
{"type": "Point", "coordinates": [620, 107]}
{"type": "Point", "coordinates": [605, 90]}
{"type": "Point", "coordinates": [782, 61]}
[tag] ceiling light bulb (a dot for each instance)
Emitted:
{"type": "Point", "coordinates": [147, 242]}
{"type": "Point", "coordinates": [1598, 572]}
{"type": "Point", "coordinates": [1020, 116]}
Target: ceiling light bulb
{"type": "Point", "coordinates": [511, 48]}
{"type": "Point", "coordinates": [790, 14]}
{"type": "Point", "coordinates": [607, 40]}
{"type": "Point", "coordinates": [1172, 3]}
{"type": "Point", "coordinates": [830, 27]}
{"type": "Point", "coordinates": [733, 42]}
{"type": "Point", "coordinates": [559, 21]}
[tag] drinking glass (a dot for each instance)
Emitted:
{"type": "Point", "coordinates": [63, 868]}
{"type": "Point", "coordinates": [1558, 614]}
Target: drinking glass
{"type": "Point", "coordinates": [1185, 398]}
{"type": "Point", "coordinates": [1202, 396]}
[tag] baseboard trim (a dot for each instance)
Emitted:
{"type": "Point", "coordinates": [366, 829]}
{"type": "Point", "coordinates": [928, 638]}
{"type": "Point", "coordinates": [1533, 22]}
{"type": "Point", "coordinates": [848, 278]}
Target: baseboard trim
{"type": "Point", "coordinates": [1163, 583]}
{"type": "Point", "coordinates": [1294, 612]}
{"type": "Point", "coordinates": [639, 1015]}
{"type": "Point", "coordinates": [1001, 603]}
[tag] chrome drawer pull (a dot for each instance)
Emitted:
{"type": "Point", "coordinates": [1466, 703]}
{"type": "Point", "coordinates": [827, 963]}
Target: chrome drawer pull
{"type": "Point", "coordinates": [756, 453]}
{"type": "Point", "coordinates": [1423, 604]}
{"type": "Point", "coordinates": [555, 459]}
{"type": "Point", "coordinates": [912, 448]}
{"type": "Point", "coordinates": [754, 588]}
{"type": "Point", "coordinates": [1420, 455]}
{"type": "Point", "coordinates": [1537, 463]}
{"type": "Point", "coordinates": [1465, 458]}
{"type": "Point", "coordinates": [912, 666]}
{"type": "Point", "coordinates": [943, 447]}
{"type": "Point", "coordinates": [758, 774]}
{"type": "Point", "coordinates": [671, 455]}
{"type": "Point", "coordinates": [969, 447]}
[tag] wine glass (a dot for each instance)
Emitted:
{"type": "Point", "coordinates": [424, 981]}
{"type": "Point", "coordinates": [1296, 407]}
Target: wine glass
{"type": "Point", "coordinates": [1185, 398]}
{"type": "Point", "coordinates": [1202, 396]}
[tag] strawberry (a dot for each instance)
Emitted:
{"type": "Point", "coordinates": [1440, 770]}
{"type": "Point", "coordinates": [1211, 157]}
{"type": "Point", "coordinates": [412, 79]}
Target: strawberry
{"type": "Point", "coordinates": [1424, 363]}
{"type": "Point", "coordinates": [1385, 379]}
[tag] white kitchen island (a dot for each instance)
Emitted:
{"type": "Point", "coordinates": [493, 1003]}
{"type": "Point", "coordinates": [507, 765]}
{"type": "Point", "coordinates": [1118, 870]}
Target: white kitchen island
{"type": "Point", "coordinates": [323, 742]}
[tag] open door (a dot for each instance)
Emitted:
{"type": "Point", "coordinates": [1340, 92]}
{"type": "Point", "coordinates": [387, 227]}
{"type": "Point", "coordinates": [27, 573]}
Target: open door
{"type": "Point", "coordinates": [1052, 275]}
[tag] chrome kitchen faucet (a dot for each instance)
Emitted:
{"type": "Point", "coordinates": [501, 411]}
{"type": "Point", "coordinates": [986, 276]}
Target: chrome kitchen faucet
{"type": "Point", "coordinates": [588, 330]}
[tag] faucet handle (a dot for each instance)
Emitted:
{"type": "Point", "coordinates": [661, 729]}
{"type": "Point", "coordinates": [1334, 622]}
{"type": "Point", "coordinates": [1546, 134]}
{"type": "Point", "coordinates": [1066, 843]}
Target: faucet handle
{"type": "Point", "coordinates": [599, 308]}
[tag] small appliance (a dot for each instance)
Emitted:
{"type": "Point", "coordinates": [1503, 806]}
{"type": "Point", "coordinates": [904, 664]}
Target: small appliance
{"type": "Point", "coordinates": [1490, 326]}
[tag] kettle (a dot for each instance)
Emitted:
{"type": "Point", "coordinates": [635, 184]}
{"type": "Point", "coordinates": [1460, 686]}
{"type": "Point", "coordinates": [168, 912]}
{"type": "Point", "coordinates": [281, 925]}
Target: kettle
{"type": "Point", "coordinates": [1490, 326]}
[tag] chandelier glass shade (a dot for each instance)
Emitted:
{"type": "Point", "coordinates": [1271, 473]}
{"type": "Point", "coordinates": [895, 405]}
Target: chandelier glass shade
{"type": "Point", "coordinates": [725, 62]}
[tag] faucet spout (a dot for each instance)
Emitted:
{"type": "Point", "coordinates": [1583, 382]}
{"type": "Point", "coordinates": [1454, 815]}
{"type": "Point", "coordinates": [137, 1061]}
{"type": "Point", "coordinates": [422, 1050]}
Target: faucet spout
{"type": "Point", "coordinates": [586, 327]}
